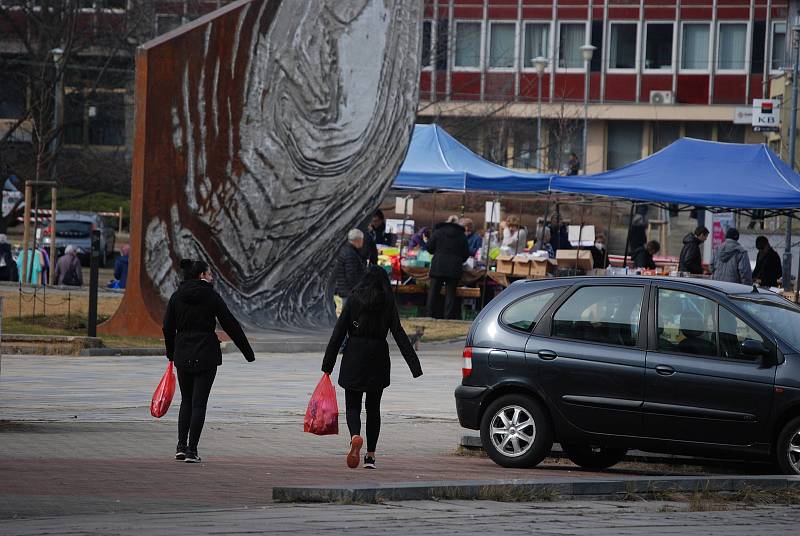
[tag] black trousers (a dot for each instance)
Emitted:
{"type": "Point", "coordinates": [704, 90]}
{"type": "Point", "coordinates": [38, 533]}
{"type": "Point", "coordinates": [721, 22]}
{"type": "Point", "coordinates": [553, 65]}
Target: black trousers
{"type": "Point", "coordinates": [450, 311]}
{"type": "Point", "coordinates": [352, 400]}
{"type": "Point", "coordinates": [195, 387]}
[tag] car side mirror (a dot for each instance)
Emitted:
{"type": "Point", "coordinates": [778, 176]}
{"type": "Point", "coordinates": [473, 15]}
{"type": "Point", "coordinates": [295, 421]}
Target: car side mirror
{"type": "Point", "coordinates": [754, 348]}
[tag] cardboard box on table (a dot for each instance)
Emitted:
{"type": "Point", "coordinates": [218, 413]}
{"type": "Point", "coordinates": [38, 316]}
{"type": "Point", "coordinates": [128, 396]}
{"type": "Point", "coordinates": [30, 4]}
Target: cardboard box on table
{"type": "Point", "coordinates": [566, 259]}
{"type": "Point", "coordinates": [542, 268]}
{"type": "Point", "coordinates": [505, 264]}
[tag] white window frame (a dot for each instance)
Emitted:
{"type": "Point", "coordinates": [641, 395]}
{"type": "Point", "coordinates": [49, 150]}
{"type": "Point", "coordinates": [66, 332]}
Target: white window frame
{"type": "Point", "coordinates": [550, 45]}
{"type": "Point", "coordinates": [557, 50]}
{"type": "Point", "coordinates": [679, 55]}
{"type": "Point", "coordinates": [488, 41]}
{"type": "Point", "coordinates": [675, 39]}
{"type": "Point", "coordinates": [787, 35]}
{"type": "Point", "coordinates": [607, 44]}
{"type": "Point", "coordinates": [481, 59]}
{"type": "Point", "coordinates": [747, 38]}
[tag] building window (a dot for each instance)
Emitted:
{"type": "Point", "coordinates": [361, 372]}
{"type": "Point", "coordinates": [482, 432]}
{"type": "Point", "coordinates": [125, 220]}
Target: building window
{"type": "Point", "coordinates": [525, 147]}
{"type": "Point", "coordinates": [732, 46]}
{"type": "Point", "coordinates": [664, 134]}
{"type": "Point", "coordinates": [537, 39]}
{"type": "Point", "coordinates": [565, 137]}
{"type": "Point", "coordinates": [695, 49]}
{"type": "Point", "coordinates": [571, 38]}
{"type": "Point", "coordinates": [758, 55]}
{"type": "Point", "coordinates": [12, 96]}
{"type": "Point", "coordinates": [426, 43]}
{"type": "Point", "coordinates": [495, 143]}
{"type": "Point", "coordinates": [622, 46]}
{"type": "Point", "coordinates": [468, 44]}
{"type": "Point", "coordinates": [699, 131]}
{"type": "Point", "coordinates": [502, 44]}
{"type": "Point", "coordinates": [107, 120]}
{"type": "Point", "coordinates": [730, 133]}
{"type": "Point", "coordinates": [624, 143]}
{"type": "Point", "coordinates": [658, 46]}
{"type": "Point", "coordinates": [166, 23]}
{"type": "Point", "coordinates": [778, 46]}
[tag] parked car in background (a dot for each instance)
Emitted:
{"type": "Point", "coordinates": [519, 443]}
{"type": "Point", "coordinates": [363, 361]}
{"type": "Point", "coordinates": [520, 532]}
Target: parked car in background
{"type": "Point", "coordinates": [75, 228]}
{"type": "Point", "coordinates": [602, 365]}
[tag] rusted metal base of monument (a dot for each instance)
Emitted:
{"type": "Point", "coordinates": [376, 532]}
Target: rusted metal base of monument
{"type": "Point", "coordinates": [264, 131]}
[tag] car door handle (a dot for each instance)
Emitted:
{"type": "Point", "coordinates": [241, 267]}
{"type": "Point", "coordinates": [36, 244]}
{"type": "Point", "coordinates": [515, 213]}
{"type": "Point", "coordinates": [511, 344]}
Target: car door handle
{"type": "Point", "coordinates": [665, 370]}
{"type": "Point", "coordinates": [547, 355]}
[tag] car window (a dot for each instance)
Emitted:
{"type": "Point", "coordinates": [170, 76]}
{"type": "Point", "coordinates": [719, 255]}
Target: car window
{"type": "Point", "coordinates": [777, 314]}
{"type": "Point", "coordinates": [733, 331]}
{"type": "Point", "coordinates": [522, 314]}
{"type": "Point", "coordinates": [604, 314]}
{"type": "Point", "coordinates": [73, 229]}
{"type": "Point", "coordinates": [686, 323]}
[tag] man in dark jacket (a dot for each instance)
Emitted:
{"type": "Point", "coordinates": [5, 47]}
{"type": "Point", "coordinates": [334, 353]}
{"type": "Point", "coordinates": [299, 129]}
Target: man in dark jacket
{"type": "Point", "coordinates": [691, 259]}
{"type": "Point", "coordinates": [377, 229]}
{"type": "Point", "coordinates": [350, 265]}
{"type": "Point", "coordinates": [768, 264]}
{"type": "Point", "coordinates": [450, 250]}
{"type": "Point", "coordinates": [121, 267]}
{"type": "Point", "coordinates": [559, 234]}
{"type": "Point", "coordinates": [643, 256]}
{"type": "Point", "coordinates": [732, 263]}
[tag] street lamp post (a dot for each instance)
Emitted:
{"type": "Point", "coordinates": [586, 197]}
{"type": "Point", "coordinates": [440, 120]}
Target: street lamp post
{"type": "Point", "coordinates": [540, 64]}
{"type": "Point", "coordinates": [787, 252]}
{"type": "Point", "coordinates": [587, 51]}
{"type": "Point", "coordinates": [58, 112]}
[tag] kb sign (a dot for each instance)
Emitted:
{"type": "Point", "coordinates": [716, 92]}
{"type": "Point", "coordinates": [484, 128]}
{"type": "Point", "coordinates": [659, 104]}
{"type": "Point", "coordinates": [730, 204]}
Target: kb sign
{"type": "Point", "coordinates": [766, 115]}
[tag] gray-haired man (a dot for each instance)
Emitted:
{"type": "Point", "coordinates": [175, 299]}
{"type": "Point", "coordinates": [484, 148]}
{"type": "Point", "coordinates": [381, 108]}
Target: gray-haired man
{"type": "Point", "coordinates": [350, 265]}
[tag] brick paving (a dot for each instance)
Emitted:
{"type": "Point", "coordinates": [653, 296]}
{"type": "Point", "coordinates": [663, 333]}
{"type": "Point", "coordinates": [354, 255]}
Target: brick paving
{"type": "Point", "coordinates": [78, 438]}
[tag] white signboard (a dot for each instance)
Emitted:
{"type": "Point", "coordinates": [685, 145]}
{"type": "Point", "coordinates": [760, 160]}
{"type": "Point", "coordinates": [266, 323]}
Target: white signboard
{"type": "Point", "coordinates": [394, 226]}
{"type": "Point", "coordinates": [583, 235]}
{"type": "Point", "coordinates": [492, 212]}
{"type": "Point", "coordinates": [404, 205]}
{"type": "Point", "coordinates": [743, 115]}
{"type": "Point", "coordinates": [766, 115]}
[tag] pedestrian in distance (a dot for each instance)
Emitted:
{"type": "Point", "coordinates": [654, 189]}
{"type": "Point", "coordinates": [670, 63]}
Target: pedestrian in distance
{"type": "Point", "coordinates": [8, 267]}
{"type": "Point", "coordinates": [192, 345]}
{"type": "Point", "coordinates": [573, 164]}
{"type": "Point", "coordinates": [731, 262]}
{"type": "Point", "coordinates": [637, 233]}
{"type": "Point", "coordinates": [121, 267]}
{"type": "Point", "coordinates": [768, 264]}
{"type": "Point", "coordinates": [350, 265]}
{"type": "Point", "coordinates": [367, 318]}
{"type": "Point", "coordinates": [643, 256]}
{"type": "Point", "coordinates": [474, 240]}
{"type": "Point", "coordinates": [691, 259]}
{"type": "Point", "coordinates": [69, 272]}
{"type": "Point", "coordinates": [450, 250]}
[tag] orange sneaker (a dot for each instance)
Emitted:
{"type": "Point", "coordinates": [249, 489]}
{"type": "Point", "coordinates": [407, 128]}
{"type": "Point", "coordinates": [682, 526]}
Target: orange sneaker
{"type": "Point", "coordinates": [354, 456]}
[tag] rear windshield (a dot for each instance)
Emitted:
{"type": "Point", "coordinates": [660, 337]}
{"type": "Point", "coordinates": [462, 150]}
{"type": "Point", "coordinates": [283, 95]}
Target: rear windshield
{"type": "Point", "coordinates": [778, 314]}
{"type": "Point", "coordinates": [73, 229]}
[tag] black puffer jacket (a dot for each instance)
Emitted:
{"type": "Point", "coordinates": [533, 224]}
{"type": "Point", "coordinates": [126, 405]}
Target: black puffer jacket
{"type": "Point", "coordinates": [642, 259]}
{"type": "Point", "coordinates": [691, 260]}
{"type": "Point", "coordinates": [350, 268]}
{"type": "Point", "coordinates": [190, 327]}
{"type": "Point", "coordinates": [450, 250]}
{"type": "Point", "coordinates": [365, 363]}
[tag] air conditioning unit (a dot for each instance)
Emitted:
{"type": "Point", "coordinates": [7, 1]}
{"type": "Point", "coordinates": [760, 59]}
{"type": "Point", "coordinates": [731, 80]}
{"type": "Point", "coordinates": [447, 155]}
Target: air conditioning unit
{"type": "Point", "coordinates": [662, 97]}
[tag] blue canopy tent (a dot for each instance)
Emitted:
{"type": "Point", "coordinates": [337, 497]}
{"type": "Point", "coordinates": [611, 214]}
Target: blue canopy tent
{"type": "Point", "coordinates": [700, 173]}
{"type": "Point", "coordinates": [438, 162]}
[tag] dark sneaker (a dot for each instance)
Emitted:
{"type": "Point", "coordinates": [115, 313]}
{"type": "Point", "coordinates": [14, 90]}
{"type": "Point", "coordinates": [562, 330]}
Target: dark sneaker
{"type": "Point", "coordinates": [355, 451]}
{"type": "Point", "coordinates": [369, 462]}
{"type": "Point", "coordinates": [180, 453]}
{"type": "Point", "coordinates": [192, 457]}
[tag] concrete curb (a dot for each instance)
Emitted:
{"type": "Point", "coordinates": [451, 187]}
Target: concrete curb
{"type": "Point", "coordinates": [115, 352]}
{"type": "Point", "coordinates": [518, 490]}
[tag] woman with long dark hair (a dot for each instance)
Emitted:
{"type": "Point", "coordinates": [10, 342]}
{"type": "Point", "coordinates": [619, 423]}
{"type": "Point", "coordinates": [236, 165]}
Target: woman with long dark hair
{"type": "Point", "coordinates": [192, 344]}
{"type": "Point", "coordinates": [369, 314]}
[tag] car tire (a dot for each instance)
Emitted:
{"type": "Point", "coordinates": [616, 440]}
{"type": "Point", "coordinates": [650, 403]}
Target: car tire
{"type": "Point", "coordinates": [589, 457]}
{"type": "Point", "coordinates": [509, 445]}
{"type": "Point", "coordinates": [787, 448]}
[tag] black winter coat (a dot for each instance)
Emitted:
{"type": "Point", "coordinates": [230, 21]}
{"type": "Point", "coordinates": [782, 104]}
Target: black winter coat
{"type": "Point", "coordinates": [642, 259]}
{"type": "Point", "coordinates": [691, 260]}
{"type": "Point", "coordinates": [768, 268]}
{"type": "Point", "coordinates": [190, 327]}
{"type": "Point", "coordinates": [365, 362]}
{"type": "Point", "coordinates": [350, 268]}
{"type": "Point", "coordinates": [450, 249]}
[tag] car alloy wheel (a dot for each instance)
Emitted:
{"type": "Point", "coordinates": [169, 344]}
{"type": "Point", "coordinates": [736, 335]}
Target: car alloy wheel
{"type": "Point", "coordinates": [513, 431]}
{"type": "Point", "coordinates": [788, 448]}
{"type": "Point", "coordinates": [793, 451]}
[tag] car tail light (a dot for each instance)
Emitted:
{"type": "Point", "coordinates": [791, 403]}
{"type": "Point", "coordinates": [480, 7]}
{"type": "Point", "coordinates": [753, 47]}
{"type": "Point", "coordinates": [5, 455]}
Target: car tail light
{"type": "Point", "coordinates": [466, 368]}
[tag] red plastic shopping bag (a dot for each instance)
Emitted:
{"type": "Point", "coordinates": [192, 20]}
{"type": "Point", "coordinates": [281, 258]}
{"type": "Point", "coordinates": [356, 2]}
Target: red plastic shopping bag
{"type": "Point", "coordinates": [162, 398]}
{"type": "Point", "coordinates": [322, 415]}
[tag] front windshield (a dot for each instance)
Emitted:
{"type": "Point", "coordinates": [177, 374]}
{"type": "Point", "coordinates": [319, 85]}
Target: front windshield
{"type": "Point", "coordinates": [778, 314]}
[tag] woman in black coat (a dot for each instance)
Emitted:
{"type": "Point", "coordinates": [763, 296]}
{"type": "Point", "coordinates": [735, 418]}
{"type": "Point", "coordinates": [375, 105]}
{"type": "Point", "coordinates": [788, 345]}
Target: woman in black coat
{"type": "Point", "coordinates": [366, 319]}
{"type": "Point", "coordinates": [192, 344]}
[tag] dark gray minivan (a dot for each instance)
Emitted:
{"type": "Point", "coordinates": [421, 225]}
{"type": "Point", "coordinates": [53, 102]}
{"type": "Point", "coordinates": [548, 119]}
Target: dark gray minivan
{"type": "Point", "coordinates": [604, 364]}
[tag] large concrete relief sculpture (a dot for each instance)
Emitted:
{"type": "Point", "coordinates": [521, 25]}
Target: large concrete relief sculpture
{"type": "Point", "coordinates": [263, 132]}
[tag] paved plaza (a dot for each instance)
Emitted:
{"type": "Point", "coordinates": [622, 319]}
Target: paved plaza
{"type": "Point", "coordinates": [77, 440]}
